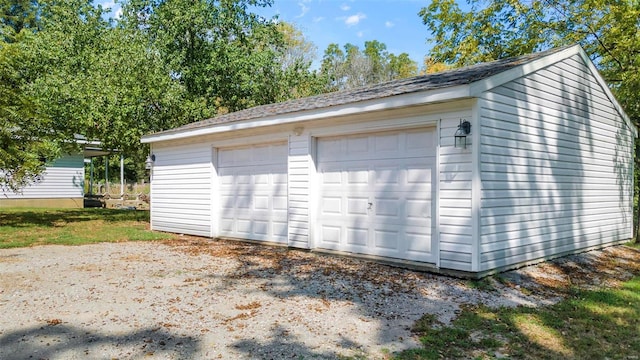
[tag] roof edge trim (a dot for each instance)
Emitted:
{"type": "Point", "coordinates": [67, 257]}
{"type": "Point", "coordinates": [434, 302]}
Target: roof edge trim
{"type": "Point", "coordinates": [386, 103]}
{"type": "Point", "coordinates": [506, 76]}
{"type": "Point", "coordinates": [607, 91]}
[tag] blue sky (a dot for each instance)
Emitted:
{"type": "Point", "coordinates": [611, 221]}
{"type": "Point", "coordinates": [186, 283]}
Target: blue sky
{"type": "Point", "coordinates": [394, 23]}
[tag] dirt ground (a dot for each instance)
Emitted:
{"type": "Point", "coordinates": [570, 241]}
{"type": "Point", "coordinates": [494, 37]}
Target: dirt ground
{"type": "Point", "coordinates": [205, 299]}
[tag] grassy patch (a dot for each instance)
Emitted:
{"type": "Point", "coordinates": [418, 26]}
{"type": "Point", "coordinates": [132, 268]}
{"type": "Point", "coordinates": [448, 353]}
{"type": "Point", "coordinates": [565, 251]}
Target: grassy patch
{"type": "Point", "coordinates": [588, 324]}
{"type": "Point", "coordinates": [30, 227]}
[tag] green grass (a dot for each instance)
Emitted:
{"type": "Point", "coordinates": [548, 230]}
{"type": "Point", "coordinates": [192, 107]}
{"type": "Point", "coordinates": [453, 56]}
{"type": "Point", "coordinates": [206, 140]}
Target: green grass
{"type": "Point", "coordinates": [588, 324]}
{"type": "Point", "coordinates": [29, 227]}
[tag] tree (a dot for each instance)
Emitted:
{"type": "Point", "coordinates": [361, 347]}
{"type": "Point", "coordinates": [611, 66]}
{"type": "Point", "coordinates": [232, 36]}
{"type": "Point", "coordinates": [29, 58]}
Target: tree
{"type": "Point", "coordinates": [295, 57]}
{"type": "Point", "coordinates": [332, 67]}
{"type": "Point", "coordinates": [25, 144]}
{"type": "Point", "coordinates": [607, 30]}
{"type": "Point", "coordinates": [223, 55]}
{"type": "Point", "coordinates": [430, 66]}
{"type": "Point", "coordinates": [16, 15]}
{"type": "Point", "coordinates": [72, 72]}
{"type": "Point", "coordinates": [353, 68]}
{"type": "Point", "coordinates": [402, 66]}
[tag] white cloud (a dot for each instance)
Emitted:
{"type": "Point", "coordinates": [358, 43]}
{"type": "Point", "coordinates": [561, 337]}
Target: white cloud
{"type": "Point", "coordinates": [107, 3]}
{"type": "Point", "coordinates": [118, 14]}
{"type": "Point", "coordinates": [345, 7]}
{"type": "Point", "coordinates": [355, 19]}
{"type": "Point", "coordinates": [360, 34]}
{"type": "Point", "coordinates": [303, 8]}
{"type": "Point", "coordinates": [318, 19]}
{"type": "Point", "coordinates": [389, 24]}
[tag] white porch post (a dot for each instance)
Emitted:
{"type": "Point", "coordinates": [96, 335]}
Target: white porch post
{"type": "Point", "coordinates": [91, 176]}
{"type": "Point", "coordinates": [121, 176]}
{"type": "Point", "coordinates": [106, 174]}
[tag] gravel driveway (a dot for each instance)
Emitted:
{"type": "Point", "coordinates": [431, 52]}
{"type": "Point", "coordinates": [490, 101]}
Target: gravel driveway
{"type": "Point", "coordinates": [221, 299]}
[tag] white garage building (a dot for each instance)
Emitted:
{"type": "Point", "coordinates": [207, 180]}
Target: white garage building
{"type": "Point", "coordinates": [545, 168]}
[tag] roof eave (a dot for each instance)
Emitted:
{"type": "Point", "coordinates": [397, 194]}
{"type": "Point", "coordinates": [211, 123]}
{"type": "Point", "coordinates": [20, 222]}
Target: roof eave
{"type": "Point", "coordinates": [387, 103]}
{"type": "Point", "coordinates": [516, 72]}
{"type": "Point", "coordinates": [478, 87]}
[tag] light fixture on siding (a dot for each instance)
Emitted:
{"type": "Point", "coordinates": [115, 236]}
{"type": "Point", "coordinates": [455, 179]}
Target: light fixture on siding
{"type": "Point", "coordinates": [460, 137]}
{"type": "Point", "coordinates": [297, 131]}
{"type": "Point", "coordinates": [148, 164]}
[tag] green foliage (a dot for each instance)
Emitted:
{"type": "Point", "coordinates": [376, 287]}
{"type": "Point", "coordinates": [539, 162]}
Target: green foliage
{"type": "Point", "coordinates": [607, 30]}
{"type": "Point", "coordinates": [66, 70]}
{"type": "Point", "coordinates": [16, 15]}
{"type": "Point", "coordinates": [353, 68]}
{"type": "Point", "coordinates": [226, 58]}
{"type": "Point", "coordinates": [603, 322]}
{"type": "Point", "coordinates": [26, 144]}
{"type": "Point", "coordinates": [77, 74]}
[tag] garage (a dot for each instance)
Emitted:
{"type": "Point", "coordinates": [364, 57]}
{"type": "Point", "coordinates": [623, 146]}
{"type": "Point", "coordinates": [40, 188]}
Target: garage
{"type": "Point", "coordinates": [376, 194]}
{"type": "Point", "coordinates": [467, 171]}
{"type": "Point", "coordinates": [253, 192]}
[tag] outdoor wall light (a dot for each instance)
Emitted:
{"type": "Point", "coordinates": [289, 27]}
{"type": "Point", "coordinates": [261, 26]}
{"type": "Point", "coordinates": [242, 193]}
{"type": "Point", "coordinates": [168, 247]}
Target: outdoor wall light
{"type": "Point", "coordinates": [460, 137]}
{"type": "Point", "coordinates": [297, 131]}
{"type": "Point", "coordinates": [148, 164]}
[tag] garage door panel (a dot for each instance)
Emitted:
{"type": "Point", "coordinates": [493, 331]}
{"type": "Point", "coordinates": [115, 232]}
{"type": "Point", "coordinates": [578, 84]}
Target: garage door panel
{"type": "Point", "coordinates": [357, 145]}
{"type": "Point", "coordinates": [331, 205]}
{"type": "Point", "coordinates": [387, 175]}
{"type": "Point", "coordinates": [386, 239]}
{"type": "Point", "coordinates": [423, 142]}
{"type": "Point", "coordinates": [358, 176]}
{"type": "Point", "coordinates": [261, 202]}
{"type": "Point", "coordinates": [279, 203]}
{"type": "Point", "coordinates": [388, 207]}
{"type": "Point", "coordinates": [261, 227]}
{"type": "Point", "coordinates": [376, 194]}
{"type": "Point", "coordinates": [253, 192]}
{"type": "Point", "coordinates": [331, 236]}
{"type": "Point", "coordinates": [386, 143]}
{"type": "Point", "coordinates": [357, 236]}
{"type": "Point", "coordinates": [279, 231]}
{"type": "Point", "coordinates": [417, 209]}
{"type": "Point", "coordinates": [357, 205]}
{"type": "Point", "coordinates": [416, 241]}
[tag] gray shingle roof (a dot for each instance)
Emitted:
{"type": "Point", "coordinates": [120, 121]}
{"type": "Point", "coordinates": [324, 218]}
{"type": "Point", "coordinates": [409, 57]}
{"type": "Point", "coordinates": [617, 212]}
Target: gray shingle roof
{"type": "Point", "coordinates": [449, 78]}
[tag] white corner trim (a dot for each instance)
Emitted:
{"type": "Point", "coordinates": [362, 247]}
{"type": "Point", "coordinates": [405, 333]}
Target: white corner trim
{"type": "Point", "coordinates": [388, 103]}
{"type": "Point", "coordinates": [436, 226]}
{"type": "Point", "coordinates": [215, 192]}
{"type": "Point", "coordinates": [476, 188]}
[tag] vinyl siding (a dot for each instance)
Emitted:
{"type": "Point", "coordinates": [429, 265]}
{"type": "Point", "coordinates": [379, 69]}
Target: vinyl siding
{"type": "Point", "coordinates": [556, 167]}
{"type": "Point", "coordinates": [455, 228]}
{"type": "Point", "coordinates": [62, 179]}
{"type": "Point", "coordinates": [181, 189]}
{"type": "Point", "coordinates": [299, 170]}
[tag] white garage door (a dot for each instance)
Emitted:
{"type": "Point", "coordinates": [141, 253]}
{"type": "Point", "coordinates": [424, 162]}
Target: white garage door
{"type": "Point", "coordinates": [253, 192]}
{"type": "Point", "coordinates": [376, 194]}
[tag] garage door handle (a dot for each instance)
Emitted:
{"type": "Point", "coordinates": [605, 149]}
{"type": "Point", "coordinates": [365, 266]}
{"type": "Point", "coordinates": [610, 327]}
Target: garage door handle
{"type": "Point", "coordinates": [370, 206]}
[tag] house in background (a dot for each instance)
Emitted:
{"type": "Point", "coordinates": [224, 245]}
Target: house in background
{"type": "Point", "coordinates": [62, 184]}
{"type": "Point", "coordinates": [469, 171]}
